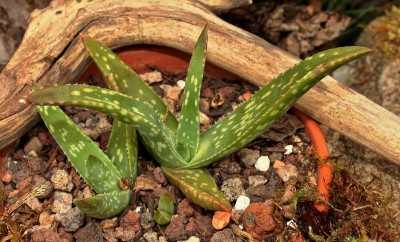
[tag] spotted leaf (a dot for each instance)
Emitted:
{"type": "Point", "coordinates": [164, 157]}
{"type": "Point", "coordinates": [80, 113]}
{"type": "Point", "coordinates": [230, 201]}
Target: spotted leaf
{"type": "Point", "coordinates": [120, 77]}
{"type": "Point", "coordinates": [104, 205]}
{"type": "Point", "coordinates": [122, 146]}
{"type": "Point", "coordinates": [165, 209]}
{"type": "Point", "coordinates": [257, 114]}
{"type": "Point", "coordinates": [189, 121]}
{"type": "Point", "coordinates": [199, 187]}
{"type": "Point", "coordinates": [142, 116]}
{"type": "Point", "coordinates": [101, 179]}
{"type": "Point", "coordinates": [76, 145]}
{"type": "Point", "coordinates": [122, 149]}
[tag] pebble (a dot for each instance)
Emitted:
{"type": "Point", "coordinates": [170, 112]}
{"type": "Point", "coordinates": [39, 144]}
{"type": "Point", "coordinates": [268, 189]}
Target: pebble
{"type": "Point", "coordinates": [181, 84]}
{"type": "Point", "coordinates": [109, 223]}
{"type": "Point", "coordinates": [159, 176]}
{"type": "Point", "coordinates": [92, 133]}
{"type": "Point", "coordinates": [124, 234]}
{"type": "Point", "coordinates": [146, 220]}
{"type": "Point", "coordinates": [204, 119]}
{"type": "Point", "coordinates": [7, 177]}
{"type": "Point", "coordinates": [83, 115]}
{"type": "Point", "coordinates": [232, 189]}
{"type": "Point", "coordinates": [150, 236]}
{"type": "Point", "coordinates": [152, 77]}
{"type": "Point", "coordinates": [257, 180]}
{"type": "Point", "coordinates": [185, 208]}
{"type": "Point", "coordinates": [175, 230]}
{"type": "Point", "coordinates": [171, 92]}
{"type": "Point", "coordinates": [24, 185]}
{"type": "Point", "coordinates": [223, 235]}
{"type": "Point", "coordinates": [90, 122]}
{"type": "Point", "coordinates": [46, 218]}
{"type": "Point", "coordinates": [62, 202]}
{"type": "Point", "coordinates": [289, 149]}
{"type": "Point", "coordinates": [34, 144]}
{"type": "Point", "coordinates": [62, 181]}
{"type": "Point", "coordinates": [204, 105]}
{"type": "Point", "coordinates": [162, 239]}
{"type": "Point", "coordinates": [103, 125]}
{"type": "Point", "coordinates": [192, 239]}
{"type": "Point", "coordinates": [91, 232]}
{"type": "Point", "coordinates": [13, 194]}
{"type": "Point", "coordinates": [262, 163]}
{"type": "Point", "coordinates": [71, 220]}
{"type": "Point", "coordinates": [249, 157]}
{"type": "Point", "coordinates": [129, 226]}
{"type": "Point", "coordinates": [34, 204]}
{"type": "Point", "coordinates": [286, 172]}
{"type": "Point", "coordinates": [46, 235]}
{"type": "Point", "coordinates": [242, 202]}
{"type": "Point", "coordinates": [87, 192]}
{"type": "Point", "coordinates": [234, 168]}
{"type": "Point", "coordinates": [21, 175]}
{"type": "Point", "coordinates": [276, 156]}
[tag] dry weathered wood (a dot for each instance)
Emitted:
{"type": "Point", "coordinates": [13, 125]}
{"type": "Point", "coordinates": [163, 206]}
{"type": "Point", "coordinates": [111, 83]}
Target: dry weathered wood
{"type": "Point", "coordinates": [221, 5]}
{"type": "Point", "coordinates": [52, 53]}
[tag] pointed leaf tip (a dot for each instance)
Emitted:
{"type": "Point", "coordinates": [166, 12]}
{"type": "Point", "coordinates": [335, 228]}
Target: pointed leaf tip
{"type": "Point", "coordinates": [199, 187]}
{"type": "Point", "coordinates": [189, 122]}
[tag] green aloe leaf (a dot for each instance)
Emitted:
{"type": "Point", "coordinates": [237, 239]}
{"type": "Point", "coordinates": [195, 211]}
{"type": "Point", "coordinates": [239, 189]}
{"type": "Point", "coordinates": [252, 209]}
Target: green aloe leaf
{"type": "Point", "coordinates": [122, 148]}
{"type": "Point", "coordinates": [121, 78]}
{"type": "Point", "coordinates": [199, 187]}
{"type": "Point", "coordinates": [104, 205]}
{"type": "Point", "coordinates": [189, 122]}
{"type": "Point", "coordinates": [165, 209]}
{"type": "Point", "coordinates": [253, 117]}
{"type": "Point", "coordinates": [141, 115]}
{"type": "Point", "coordinates": [78, 147]}
{"type": "Point", "coordinates": [101, 179]}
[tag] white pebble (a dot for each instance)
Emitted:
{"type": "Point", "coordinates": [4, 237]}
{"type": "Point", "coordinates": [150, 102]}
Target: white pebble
{"type": "Point", "coordinates": [262, 163]}
{"type": "Point", "coordinates": [192, 239]}
{"type": "Point", "coordinates": [289, 149]}
{"type": "Point", "coordinates": [242, 202]}
{"type": "Point", "coordinates": [181, 84]}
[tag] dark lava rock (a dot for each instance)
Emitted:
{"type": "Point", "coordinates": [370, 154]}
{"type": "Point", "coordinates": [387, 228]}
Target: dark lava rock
{"type": "Point", "coordinates": [91, 232]}
{"type": "Point", "coordinates": [176, 229]}
{"type": "Point", "coordinates": [225, 235]}
{"type": "Point", "coordinates": [46, 235]}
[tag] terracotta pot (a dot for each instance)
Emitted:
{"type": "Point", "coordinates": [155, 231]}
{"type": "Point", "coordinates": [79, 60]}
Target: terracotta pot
{"type": "Point", "coordinates": [141, 57]}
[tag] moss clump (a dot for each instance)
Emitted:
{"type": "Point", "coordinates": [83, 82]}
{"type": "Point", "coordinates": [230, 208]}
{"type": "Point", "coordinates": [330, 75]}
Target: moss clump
{"type": "Point", "coordinates": [387, 28]}
{"type": "Point", "coordinates": [358, 212]}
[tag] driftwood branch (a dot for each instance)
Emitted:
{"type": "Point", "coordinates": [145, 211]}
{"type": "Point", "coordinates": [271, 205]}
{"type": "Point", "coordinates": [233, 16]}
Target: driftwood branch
{"type": "Point", "coordinates": [51, 53]}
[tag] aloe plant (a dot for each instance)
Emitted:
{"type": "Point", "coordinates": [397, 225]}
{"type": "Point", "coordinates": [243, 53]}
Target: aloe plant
{"type": "Point", "coordinates": [177, 144]}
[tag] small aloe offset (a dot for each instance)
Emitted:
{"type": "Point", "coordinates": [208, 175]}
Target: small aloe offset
{"type": "Point", "coordinates": [178, 145]}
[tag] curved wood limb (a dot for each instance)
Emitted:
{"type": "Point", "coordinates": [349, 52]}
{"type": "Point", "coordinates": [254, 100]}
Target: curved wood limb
{"type": "Point", "coordinates": [51, 53]}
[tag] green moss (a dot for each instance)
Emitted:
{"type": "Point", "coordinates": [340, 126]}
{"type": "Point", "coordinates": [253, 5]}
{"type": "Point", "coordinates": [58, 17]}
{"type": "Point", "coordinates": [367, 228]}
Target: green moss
{"type": "Point", "coordinates": [387, 28]}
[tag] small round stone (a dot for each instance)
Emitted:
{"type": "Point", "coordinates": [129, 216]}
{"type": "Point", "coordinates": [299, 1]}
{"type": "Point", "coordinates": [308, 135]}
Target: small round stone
{"type": "Point", "coordinates": [289, 149]}
{"type": "Point", "coordinates": [62, 181]}
{"type": "Point", "coordinates": [263, 163]}
{"type": "Point", "coordinates": [242, 203]}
